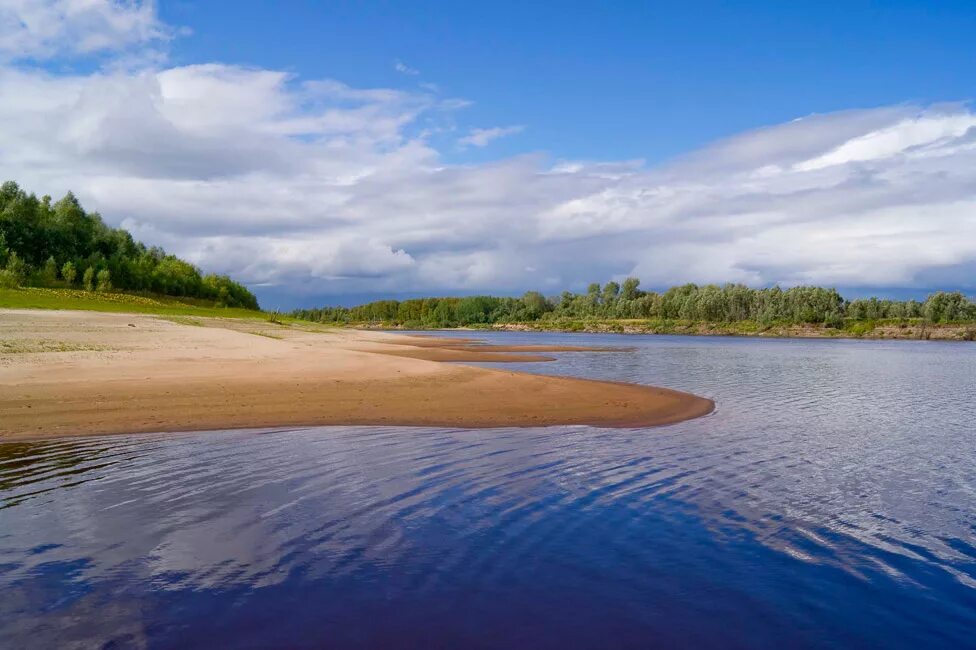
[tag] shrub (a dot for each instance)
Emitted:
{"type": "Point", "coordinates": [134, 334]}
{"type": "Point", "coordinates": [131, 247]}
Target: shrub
{"type": "Point", "coordinates": [68, 272]}
{"type": "Point", "coordinates": [104, 280]}
{"type": "Point", "coordinates": [861, 328]}
{"type": "Point", "coordinates": [17, 268]}
{"type": "Point", "coordinates": [834, 320]}
{"type": "Point", "coordinates": [88, 279]}
{"type": "Point", "coordinates": [49, 273]}
{"type": "Point", "coordinates": [8, 280]}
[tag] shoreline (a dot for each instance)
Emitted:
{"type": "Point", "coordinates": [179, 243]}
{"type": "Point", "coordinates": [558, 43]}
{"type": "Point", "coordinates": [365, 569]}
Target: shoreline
{"type": "Point", "coordinates": [962, 333]}
{"type": "Point", "coordinates": [69, 373]}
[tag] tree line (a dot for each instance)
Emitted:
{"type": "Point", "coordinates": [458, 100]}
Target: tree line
{"type": "Point", "coordinates": [690, 302]}
{"type": "Point", "coordinates": [45, 244]}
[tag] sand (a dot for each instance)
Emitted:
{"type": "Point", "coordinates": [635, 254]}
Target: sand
{"type": "Point", "coordinates": [85, 373]}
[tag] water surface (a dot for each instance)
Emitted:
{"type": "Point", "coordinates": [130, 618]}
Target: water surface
{"type": "Point", "coordinates": [830, 501]}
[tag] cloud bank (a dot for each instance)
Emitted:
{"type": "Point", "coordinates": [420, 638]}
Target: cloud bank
{"type": "Point", "coordinates": [42, 29]}
{"type": "Point", "coordinates": [320, 188]}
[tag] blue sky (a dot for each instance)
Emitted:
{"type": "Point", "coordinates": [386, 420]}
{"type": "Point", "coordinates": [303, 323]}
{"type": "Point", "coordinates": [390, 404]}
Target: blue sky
{"type": "Point", "coordinates": [333, 152]}
{"type": "Point", "coordinates": [610, 80]}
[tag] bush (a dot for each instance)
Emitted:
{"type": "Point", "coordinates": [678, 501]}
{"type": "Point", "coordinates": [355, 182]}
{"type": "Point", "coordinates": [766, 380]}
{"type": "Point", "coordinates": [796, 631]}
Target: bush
{"type": "Point", "coordinates": [835, 321]}
{"type": "Point", "coordinates": [104, 280]}
{"type": "Point", "coordinates": [16, 268]}
{"type": "Point", "coordinates": [861, 328]}
{"type": "Point", "coordinates": [88, 279]}
{"type": "Point", "coordinates": [8, 280]}
{"type": "Point", "coordinates": [68, 273]}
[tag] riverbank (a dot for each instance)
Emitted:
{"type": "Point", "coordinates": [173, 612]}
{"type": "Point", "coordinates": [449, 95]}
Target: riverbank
{"type": "Point", "coordinates": [891, 329]}
{"type": "Point", "coordinates": [83, 373]}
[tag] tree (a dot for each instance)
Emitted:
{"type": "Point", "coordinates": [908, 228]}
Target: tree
{"type": "Point", "coordinates": [629, 289]}
{"type": "Point", "coordinates": [944, 307]}
{"type": "Point", "coordinates": [104, 280]}
{"type": "Point", "coordinates": [38, 230]}
{"type": "Point", "coordinates": [68, 273]}
{"type": "Point", "coordinates": [475, 309]}
{"type": "Point", "coordinates": [88, 279]}
{"type": "Point", "coordinates": [49, 273]}
{"type": "Point", "coordinates": [16, 267]}
{"type": "Point", "coordinates": [534, 305]}
{"type": "Point", "coordinates": [610, 292]}
{"type": "Point", "coordinates": [443, 314]}
{"type": "Point", "coordinates": [730, 303]}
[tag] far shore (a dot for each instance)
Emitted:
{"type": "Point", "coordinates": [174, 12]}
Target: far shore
{"type": "Point", "coordinates": [894, 330]}
{"type": "Point", "coordinates": [65, 373]}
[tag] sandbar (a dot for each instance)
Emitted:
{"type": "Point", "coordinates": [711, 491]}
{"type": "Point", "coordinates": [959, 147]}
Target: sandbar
{"type": "Point", "coordinates": [66, 373]}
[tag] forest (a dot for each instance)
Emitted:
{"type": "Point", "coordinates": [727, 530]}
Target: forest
{"type": "Point", "coordinates": [45, 244]}
{"type": "Point", "coordinates": [709, 303]}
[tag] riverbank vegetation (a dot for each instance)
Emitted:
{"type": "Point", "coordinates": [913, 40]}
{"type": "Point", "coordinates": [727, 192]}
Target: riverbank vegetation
{"type": "Point", "coordinates": [690, 308]}
{"type": "Point", "coordinates": [115, 301]}
{"type": "Point", "coordinates": [61, 246]}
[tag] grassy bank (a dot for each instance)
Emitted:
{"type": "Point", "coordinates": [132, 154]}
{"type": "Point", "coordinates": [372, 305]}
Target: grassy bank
{"type": "Point", "coordinates": [74, 299]}
{"type": "Point", "coordinates": [902, 328]}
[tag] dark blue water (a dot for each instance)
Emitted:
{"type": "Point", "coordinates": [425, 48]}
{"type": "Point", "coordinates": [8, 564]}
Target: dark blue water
{"type": "Point", "coordinates": [829, 502]}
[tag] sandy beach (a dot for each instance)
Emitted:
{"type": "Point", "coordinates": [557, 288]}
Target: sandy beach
{"type": "Point", "coordinates": [85, 373]}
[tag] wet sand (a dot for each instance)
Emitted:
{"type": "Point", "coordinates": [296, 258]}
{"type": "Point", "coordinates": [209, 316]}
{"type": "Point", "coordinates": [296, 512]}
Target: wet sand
{"type": "Point", "coordinates": [84, 373]}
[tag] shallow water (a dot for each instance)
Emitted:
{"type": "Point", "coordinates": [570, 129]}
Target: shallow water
{"type": "Point", "coordinates": [830, 501]}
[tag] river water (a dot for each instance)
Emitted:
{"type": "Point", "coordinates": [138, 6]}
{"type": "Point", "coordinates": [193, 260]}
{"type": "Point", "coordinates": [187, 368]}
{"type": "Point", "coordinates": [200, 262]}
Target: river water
{"type": "Point", "coordinates": [830, 501]}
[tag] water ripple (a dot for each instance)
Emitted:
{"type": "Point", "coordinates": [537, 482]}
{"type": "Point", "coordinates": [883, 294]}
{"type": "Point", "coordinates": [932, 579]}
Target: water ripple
{"type": "Point", "coordinates": [830, 497]}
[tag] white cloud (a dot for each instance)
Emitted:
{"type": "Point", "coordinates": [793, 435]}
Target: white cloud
{"type": "Point", "coordinates": [481, 137]}
{"type": "Point", "coordinates": [321, 188]}
{"type": "Point", "coordinates": [913, 131]}
{"type": "Point", "coordinates": [43, 29]}
{"type": "Point", "coordinates": [403, 68]}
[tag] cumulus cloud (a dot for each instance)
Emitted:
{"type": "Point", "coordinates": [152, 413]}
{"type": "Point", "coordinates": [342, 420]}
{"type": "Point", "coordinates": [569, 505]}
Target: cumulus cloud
{"type": "Point", "coordinates": [42, 29]}
{"type": "Point", "coordinates": [481, 137]}
{"type": "Point", "coordinates": [317, 187]}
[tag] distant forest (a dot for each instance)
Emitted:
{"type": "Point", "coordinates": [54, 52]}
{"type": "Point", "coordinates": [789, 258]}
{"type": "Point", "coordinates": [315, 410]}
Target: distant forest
{"type": "Point", "coordinates": [44, 244]}
{"type": "Point", "coordinates": [710, 303]}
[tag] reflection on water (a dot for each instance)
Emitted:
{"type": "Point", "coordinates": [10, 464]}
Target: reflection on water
{"type": "Point", "coordinates": [830, 501]}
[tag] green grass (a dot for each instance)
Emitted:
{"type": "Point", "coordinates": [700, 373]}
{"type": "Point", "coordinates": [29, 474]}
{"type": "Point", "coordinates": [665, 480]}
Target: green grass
{"type": "Point", "coordinates": [74, 299]}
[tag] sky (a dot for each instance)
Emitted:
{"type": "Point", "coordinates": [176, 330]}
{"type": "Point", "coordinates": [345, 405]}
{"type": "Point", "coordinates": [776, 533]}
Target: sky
{"type": "Point", "coordinates": [328, 153]}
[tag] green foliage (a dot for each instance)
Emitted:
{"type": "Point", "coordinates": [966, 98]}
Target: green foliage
{"type": "Point", "coordinates": [630, 290]}
{"type": "Point", "coordinates": [835, 320]}
{"type": "Point", "coordinates": [16, 268]}
{"type": "Point", "coordinates": [875, 309]}
{"type": "Point", "coordinates": [533, 306]}
{"type": "Point", "coordinates": [48, 274]}
{"type": "Point", "coordinates": [104, 279]}
{"type": "Point", "coordinates": [88, 279]}
{"type": "Point", "coordinates": [68, 273]}
{"type": "Point", "coordinates": [944, 307]}
{"type": "Point", "coordinates": [749, 309]}
{"type": "Point", "coordinates": [42, 236]}
{"type": "Point", "coordinates": [611, 291]}
{"type": "Point", "coordinates": [8, 280]}
{"type": "Point", "coordinates": [860, 328]}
